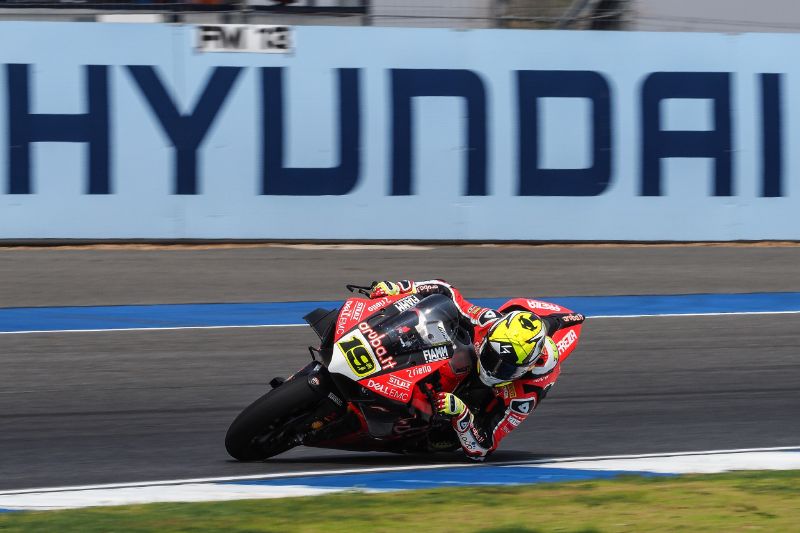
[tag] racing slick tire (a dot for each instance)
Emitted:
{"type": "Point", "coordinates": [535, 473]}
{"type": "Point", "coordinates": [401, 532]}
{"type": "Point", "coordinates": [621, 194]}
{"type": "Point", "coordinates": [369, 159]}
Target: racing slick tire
{"type": "Point", "coordinates": [259, 431]}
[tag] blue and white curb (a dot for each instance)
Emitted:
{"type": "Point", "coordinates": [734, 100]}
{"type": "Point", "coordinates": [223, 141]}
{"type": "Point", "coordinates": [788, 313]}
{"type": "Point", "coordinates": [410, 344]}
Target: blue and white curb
{"type": "Point", "coordinates": [22, 320]}
{"type": "Point", "coordinates": [400, 478]}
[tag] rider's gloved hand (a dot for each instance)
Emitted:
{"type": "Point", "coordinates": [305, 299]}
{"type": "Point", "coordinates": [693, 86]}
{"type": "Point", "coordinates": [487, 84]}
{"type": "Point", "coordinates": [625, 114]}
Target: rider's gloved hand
{"type": "Point", "coordinates": [384, 288]}
{"type": "Point", "coordinates": [449, 404]}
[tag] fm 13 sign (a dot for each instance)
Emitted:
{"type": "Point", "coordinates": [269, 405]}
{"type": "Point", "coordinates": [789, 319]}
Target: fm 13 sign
{"type": "Point", "coordinates": [243, 38]}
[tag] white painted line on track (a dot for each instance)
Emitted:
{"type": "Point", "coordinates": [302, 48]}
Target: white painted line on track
{"type": "Point", "coordinates": [281, 475]}
{"type": "Point", "coordinates": [573, 468]}
{"type": "Point", "coordinates": [179, 328]}
{"type": "Point", "coordinates": [651, 455]}
{"type": "Point", "coordinates": [691, 464]}
{"type": "Point", "coordinates": [368, 470]}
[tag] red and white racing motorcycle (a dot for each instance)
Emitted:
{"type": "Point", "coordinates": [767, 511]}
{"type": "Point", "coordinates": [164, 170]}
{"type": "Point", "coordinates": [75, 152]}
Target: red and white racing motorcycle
{"type": "Point", "coordinates": [372, 381]}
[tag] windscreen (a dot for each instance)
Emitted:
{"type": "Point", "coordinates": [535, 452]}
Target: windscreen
{"type": "Point", "coordinates": [431, 322]}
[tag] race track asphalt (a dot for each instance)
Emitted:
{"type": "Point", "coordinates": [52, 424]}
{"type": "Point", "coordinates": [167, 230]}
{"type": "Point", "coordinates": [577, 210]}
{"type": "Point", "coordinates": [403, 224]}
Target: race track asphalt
{"type": "Point", "coordinates": [85, 408]}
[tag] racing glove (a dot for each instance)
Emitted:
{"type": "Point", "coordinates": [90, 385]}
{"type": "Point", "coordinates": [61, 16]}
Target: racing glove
{"type": "Point", "coordinates": [384, 288]}
{"type": "Point", "coordinates": [449, 404]}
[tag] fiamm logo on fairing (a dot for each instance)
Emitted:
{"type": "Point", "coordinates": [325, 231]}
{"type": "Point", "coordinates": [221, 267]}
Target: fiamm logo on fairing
{"type": "Point", "coordinates": [437, 353]}
{"type": "Point", "coordinates": [406, 303]}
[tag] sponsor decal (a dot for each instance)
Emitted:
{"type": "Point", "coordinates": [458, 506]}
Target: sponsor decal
{"type": "Point", "coordinates": [427, 288]}
{"type": "Point", "coordinates": [243, 38]}
{"type": "Point", "coordinates": [358, 311]}
{"type": "Point", "coordinates": [357, 356]}
{"type": "Point", "coordinates": [468, 439]}
{"type": "Point", "coordinates": [538, 304]}
{"type": "Point", "coordinates": [388, 391]}
{"type": "Point", "coordinates": [344, 316]}
{"type": "Point", "coordinates": [375, 340]}
{"type": "Point", "coordinates": [487, 316]}
{"type": "Point", "coordinates": [442, 330]}
{"type": "Point", "coordinates": [406, 303]}
{"type": "Point", "coordinates": [473, 309]}
{"type": "Point", "coordinates": [418, 371]}
{"type": "Point", "coordinates": [509, 391]}
{"type": "Point", "coordinates": [514, 421]}
{"type": "Point", "coordinates": [377, 305]}
{"type": "Point", "coordinates": [314, 381]}
{"type": "Point", "coordinates": [475, 433]}
{"type": "Point", "coordinates": [437, 353]}
{"type": "Point", "coordinates": [463, 423]}
{"type": "Point", "coordinates": [399, 382]}
{"type": "Point", "coordinates": [523, 407]}
{"type": "Point", "coordinates": [568, 340]}
{"type": "Point", "coordinates": [575, 317]}
{"type": "Point", "coordinates": [335, 399]}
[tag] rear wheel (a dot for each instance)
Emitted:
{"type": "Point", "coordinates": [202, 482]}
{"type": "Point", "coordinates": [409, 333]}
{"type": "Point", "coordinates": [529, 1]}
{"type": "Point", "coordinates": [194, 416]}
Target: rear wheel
{"type": "Point", "coordinates": [260, 430]}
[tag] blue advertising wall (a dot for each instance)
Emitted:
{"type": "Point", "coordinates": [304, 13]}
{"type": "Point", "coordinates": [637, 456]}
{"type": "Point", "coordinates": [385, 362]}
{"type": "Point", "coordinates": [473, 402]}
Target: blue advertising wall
{"type": "Point", "coordinates": [125, 131]}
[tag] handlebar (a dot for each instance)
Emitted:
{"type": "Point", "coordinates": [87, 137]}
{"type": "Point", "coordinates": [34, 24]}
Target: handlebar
{"type": "Point", "coordinates": [363, 289]}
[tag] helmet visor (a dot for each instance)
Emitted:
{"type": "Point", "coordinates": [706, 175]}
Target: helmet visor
{"type": "Point", "coordinates": [497, 367]}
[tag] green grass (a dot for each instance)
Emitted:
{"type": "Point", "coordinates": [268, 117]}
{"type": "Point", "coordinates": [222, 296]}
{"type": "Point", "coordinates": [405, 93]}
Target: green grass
{"type": "Point", "coordinates": [751, 501]}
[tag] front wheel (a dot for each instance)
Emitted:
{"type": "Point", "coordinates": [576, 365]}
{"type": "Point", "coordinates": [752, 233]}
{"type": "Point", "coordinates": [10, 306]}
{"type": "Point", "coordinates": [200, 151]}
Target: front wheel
{"type": "Point", "coordinates": [259, 431]}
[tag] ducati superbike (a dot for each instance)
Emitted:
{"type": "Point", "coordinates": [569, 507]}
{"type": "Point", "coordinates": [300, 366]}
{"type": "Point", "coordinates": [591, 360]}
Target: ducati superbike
{"type": "Point", "coordinates": [372, 382]}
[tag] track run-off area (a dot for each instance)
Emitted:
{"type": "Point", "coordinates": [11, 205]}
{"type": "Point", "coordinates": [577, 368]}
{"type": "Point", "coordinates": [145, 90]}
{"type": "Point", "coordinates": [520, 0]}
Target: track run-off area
{"type": "Point", "coordinates": [125, 366]}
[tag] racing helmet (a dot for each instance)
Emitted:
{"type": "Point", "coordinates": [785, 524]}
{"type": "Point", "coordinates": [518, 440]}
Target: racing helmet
{"type": "Point", "coordinates": [512, 347]}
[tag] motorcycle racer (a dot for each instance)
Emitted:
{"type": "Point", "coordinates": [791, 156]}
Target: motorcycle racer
{"type": "Point", "coordinates": [517, 364]}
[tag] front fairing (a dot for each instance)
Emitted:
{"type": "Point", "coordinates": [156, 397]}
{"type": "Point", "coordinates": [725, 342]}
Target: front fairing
{"type": "Point", "coordinates": [431, 323]}
{"type": "Point", "coordinates": [401, 334]}
{"type": "Point", "coordinates": [388, 357]}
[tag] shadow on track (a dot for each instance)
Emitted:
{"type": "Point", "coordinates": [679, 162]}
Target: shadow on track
{"type": "Point", "coordinates": [388, 460]}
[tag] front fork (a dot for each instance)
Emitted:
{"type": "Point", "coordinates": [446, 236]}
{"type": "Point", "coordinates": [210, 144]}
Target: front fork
{"type": "Point", "coordinates": [330, 408]}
